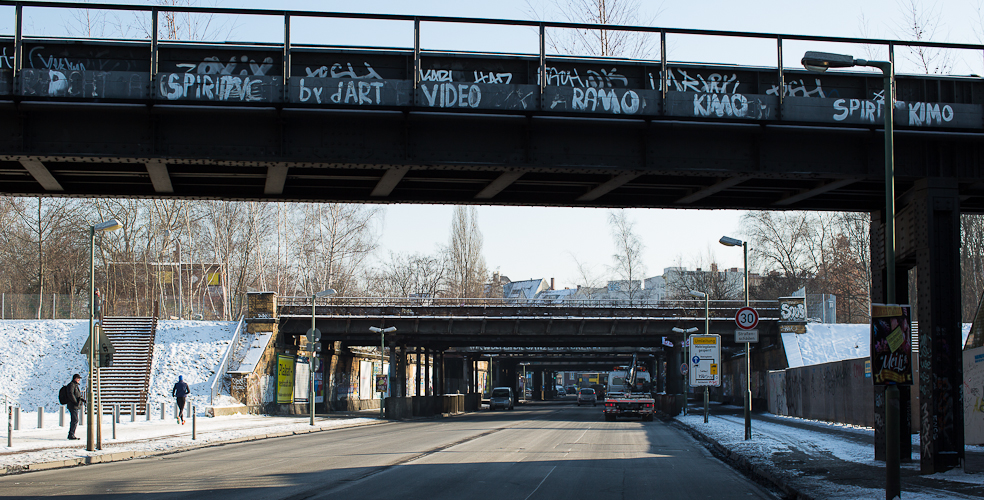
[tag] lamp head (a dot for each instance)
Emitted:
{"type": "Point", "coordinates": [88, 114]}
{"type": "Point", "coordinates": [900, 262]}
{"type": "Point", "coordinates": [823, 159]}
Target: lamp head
{"type": "Point", "coordinates": [699, 295]}
{"type": "Point", "coordinates": [325, 293]}
{"type": "Point", "coordinates": [729, 242]}
{"type": "Point", "coordinates": [108, 225]}
{"type": "Point", "coordinates": [822, 61]}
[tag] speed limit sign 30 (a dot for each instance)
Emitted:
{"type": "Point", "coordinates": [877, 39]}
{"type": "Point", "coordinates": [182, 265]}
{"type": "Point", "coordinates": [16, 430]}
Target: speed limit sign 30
{"type": "Point", "coordinates": [747, 318]}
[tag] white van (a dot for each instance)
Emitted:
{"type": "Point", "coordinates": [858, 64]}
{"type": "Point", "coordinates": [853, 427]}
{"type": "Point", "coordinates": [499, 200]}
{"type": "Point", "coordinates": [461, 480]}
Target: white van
{"type": "Point", "coordinates": [501, 397]}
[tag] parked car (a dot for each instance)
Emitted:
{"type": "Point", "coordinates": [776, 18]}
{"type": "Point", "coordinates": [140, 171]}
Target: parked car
{"type": "Point", "coordinates": [587, 396]}
{"type": "Point", "coordinates": [560, 390]}
{"type": "Point", "coordinates": [572, 389]}
{"type": "Point", "coordinates": [501, 397]}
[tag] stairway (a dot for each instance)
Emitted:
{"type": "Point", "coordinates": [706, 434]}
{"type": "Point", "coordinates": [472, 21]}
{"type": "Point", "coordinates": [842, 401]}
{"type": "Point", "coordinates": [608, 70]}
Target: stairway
{"type": "Point", "coordinates": [127, 381]}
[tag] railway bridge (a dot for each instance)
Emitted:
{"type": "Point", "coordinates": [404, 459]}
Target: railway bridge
{"type": "Point", "coordinates": [286, 121]}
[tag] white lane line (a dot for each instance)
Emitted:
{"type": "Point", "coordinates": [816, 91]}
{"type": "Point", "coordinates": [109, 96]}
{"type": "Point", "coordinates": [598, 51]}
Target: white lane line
{"type": "Point", "coordinates": [541, 483]}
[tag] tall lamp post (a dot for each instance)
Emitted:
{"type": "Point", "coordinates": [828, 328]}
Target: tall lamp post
{"type": "Point", "coordinates": [382, 365]}
{"type": "Point", "coordinates": [707, 331]}
{"type": "Point", "coordinates": [314, 345]}
{"type": "Point", "coordinates": [686, 360]}
{"type": "Point", "coordinates": [820, 62]}
{"type": "Point", "coordinates": [109, 225]}
{"type": "Point", "coordinates": [733, 242]}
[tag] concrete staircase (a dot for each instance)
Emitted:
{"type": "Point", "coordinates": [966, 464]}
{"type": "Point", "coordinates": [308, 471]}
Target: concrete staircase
{"type": "Point", "coordinates": [128, 380]}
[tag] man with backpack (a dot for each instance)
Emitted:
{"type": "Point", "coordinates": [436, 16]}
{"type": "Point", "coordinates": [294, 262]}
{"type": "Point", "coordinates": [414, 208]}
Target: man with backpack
{"type": "Point", "coordinates": [180, 391]}
{"type": "Point", "coordinates": [71, 396]}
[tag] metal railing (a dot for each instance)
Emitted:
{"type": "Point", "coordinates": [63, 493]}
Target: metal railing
{"type": "Point", "coordinates": [302, 300]}
{"type": "Point", "coordinates": [224, 363]}
{"type": "Point", "coordinates": [541, 26]}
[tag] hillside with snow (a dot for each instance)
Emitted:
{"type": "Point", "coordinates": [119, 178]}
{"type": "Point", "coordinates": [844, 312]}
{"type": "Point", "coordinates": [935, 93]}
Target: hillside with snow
{"type": "Point", "coordinates": [37, 357]}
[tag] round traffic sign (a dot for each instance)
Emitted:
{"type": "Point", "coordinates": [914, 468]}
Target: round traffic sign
{"type": "Point", "coordinates": [684, 369]}
{"type": "Point", "coordinates": [747, 318]}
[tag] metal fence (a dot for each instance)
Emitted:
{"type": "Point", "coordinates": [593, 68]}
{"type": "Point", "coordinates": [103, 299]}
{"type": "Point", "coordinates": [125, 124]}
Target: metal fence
{"type": "Point", "coordinates": [46, 306]}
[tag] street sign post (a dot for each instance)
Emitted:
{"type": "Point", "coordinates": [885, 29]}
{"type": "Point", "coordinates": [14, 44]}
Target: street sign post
{"type": "Point", "coordinates": [705, 358]}
{"type": "Point", "coordinates": [747, 318]}
{"type": "Point", "coordinates": [746, 336]}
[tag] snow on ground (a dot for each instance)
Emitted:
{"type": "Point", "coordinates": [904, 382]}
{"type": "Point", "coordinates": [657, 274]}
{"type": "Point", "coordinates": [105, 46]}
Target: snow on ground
{"type": "Point", "coordinates": [37, 357]}
{"type": "Point", "coordinates": [192, 349]}
{"type": "Point", "coordinates": [826, 342]}
{"type": "Point", "coordinates": [49, 444]}
{"type": "Point", "coordinates": [770, 439]}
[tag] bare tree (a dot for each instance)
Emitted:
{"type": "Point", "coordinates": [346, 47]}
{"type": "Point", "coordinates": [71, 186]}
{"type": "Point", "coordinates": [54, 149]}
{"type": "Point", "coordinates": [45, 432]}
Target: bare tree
{"type": "Point", "coordinates": [466, 264]}
{"type": "Point", "coordinates": [627, 261]}
{"type": "Point", "coordinates": [606, 43]}
{"type": "Point", "coordinates": [924, 24]}
{"type": "Point", "coordinates": [417, 274]}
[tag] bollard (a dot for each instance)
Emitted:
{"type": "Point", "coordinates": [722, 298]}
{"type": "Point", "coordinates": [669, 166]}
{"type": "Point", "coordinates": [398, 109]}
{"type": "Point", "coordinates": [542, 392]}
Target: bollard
{"type": "Point", "coordinates": [116, 418]}
{"type": "Point", "coordinates": [147, 410]}
{"type": "Point", "coordinates": [40, 417]}
{"type": "Point", "coordinates": [193, 415]}
{"type": "Point", "coordinates": [133, 412]}
{"type": "Point", "coordinates": [10, 425]}
{"type": "Point", "coordinates": [61, 416]}
{"type": "Point", "coordinates": [163, 411]}
{"type": "Point", "coordinates": [17, 418]}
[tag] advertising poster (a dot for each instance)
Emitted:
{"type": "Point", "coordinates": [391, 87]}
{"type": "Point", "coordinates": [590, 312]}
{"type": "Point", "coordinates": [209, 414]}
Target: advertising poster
{"type": "Point", "coordinates": [285, 379]}
{"type": "Point", "coordinates": [302, 380]}
{"type": "Point", "coordinates": [319, 391]}
{"type": "Point", "coordinates": [973, 365]}
{"type": "Point", "coordinates": [891, 349]}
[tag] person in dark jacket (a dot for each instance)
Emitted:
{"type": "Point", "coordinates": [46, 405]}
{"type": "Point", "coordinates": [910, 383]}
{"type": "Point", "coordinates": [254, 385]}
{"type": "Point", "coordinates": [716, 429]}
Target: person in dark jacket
{"type": "Point", "coordinates": [75, 402]}
{"type": "Point", "coordinates": [181, 391]}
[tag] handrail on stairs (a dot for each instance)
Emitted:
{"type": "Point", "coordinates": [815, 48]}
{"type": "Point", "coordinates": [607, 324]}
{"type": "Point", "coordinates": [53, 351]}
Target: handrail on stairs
{"type": "Point", "coordinates": [224, 363]}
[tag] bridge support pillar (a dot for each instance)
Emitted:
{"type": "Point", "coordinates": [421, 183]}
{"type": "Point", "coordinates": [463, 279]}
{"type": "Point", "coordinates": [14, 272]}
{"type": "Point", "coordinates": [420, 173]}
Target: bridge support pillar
{"type": "Point", "coordinates": [928, 239]}
{"type": "Point", "coordinates": [538, 385]}
{"type": "Point", "coordinates": [428, 367]}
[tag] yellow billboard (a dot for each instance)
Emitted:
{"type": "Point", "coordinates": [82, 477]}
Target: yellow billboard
{"type": "Point", "coordinates": [285, 379]}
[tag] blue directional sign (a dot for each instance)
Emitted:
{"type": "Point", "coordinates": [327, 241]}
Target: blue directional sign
{"type": "Point", "coordinates": [696, 360]}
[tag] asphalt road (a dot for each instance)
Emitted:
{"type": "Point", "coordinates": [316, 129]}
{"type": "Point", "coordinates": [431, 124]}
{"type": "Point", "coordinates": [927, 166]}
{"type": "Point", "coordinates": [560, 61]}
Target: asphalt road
{"type": "Point", "coordinates": [537, 451]}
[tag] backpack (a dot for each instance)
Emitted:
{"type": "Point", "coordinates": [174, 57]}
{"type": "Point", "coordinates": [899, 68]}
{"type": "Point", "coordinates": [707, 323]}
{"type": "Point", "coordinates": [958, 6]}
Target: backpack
{"type": "Point", "coordinates": [64, 395]}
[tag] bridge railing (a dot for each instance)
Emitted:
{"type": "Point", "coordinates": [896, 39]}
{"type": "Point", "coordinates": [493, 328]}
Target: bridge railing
{"type": "Point", "coordinates": [495, 302]}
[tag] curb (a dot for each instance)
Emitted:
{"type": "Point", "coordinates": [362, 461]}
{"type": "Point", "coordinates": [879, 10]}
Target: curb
{"type": "Point", "coordinates": [743, 464]}
{"type": "Point", "coordinates": [129, 455]}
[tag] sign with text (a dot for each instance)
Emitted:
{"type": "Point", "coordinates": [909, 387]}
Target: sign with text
{"type": "Point", "coordinates": [285, 379]}
{"type": "Point", "coordinates": [747, 318]}
{"type": "Point", "coordinates": [746, 336]}
{"type": "Point", "coordinates": [792, 315]}
{"type": "Point", "coordinates": [891, 348]}
{"type": "Point", "coordinates": [381, 383]}
{"type": "Point", "coordinates": [705, 357]}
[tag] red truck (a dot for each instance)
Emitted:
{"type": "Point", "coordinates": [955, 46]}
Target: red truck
{"type": "Point", "coordinates": [628, 394]}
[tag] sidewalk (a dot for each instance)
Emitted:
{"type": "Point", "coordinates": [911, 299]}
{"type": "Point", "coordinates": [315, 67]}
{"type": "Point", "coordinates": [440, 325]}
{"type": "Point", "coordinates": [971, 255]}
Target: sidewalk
{"type": "Point", "coordinates": [817, 460]}
{"type": "Point", "coordinates": [35, 449]}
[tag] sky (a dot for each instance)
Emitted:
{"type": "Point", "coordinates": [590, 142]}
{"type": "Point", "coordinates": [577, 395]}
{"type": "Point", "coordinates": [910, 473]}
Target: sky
{"type": "Point", "coordinates": [533, 242]}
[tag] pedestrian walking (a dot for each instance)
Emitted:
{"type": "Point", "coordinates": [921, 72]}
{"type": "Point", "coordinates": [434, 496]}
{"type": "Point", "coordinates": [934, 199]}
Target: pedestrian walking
{"type": "Point", "coordinates": [181, 392]}
{"type": "Point", "coordinates": [74, 402]}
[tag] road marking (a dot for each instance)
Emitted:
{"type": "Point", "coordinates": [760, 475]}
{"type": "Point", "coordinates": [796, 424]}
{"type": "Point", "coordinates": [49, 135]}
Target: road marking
{"type": "Point", "coordinates": [541, 483]}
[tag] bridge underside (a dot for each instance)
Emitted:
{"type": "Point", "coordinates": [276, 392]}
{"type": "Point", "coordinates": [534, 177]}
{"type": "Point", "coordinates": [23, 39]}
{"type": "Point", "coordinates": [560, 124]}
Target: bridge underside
{"type": "Point", "coordinates": [398, 156]}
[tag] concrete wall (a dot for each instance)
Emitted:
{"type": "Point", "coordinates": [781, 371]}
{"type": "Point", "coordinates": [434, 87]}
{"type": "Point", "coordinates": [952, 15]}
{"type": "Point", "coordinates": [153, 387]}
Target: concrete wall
{"type": "Point", "coordinates": [834, 392]}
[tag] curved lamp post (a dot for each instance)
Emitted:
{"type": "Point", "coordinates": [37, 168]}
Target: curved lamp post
{"type": "Point", "coordinates": [313, 345]}
{"type": "Point", "coordinates": [382, 346]}
{"type": "Point", "coordinates": [733, 242]}
{"type": "Point", "coordinates": [92, 391]}
{"type": "Point", "coordinates": [820, 62]}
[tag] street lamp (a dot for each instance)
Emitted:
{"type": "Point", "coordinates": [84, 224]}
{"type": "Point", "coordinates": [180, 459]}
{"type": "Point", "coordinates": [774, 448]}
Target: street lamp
{"type": "Point", "coordinates": [109, 225]}
{"type": "Point", "coordinates": [707, 331]}
{"type": "Point", "coordinates": [821, 61]}
{"type": "Point", "coordinates": [314, 342]}
{"type": "Point", "coordinates": [382, 368]}
{"type": "Point", "coordinates": [732, 242]}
